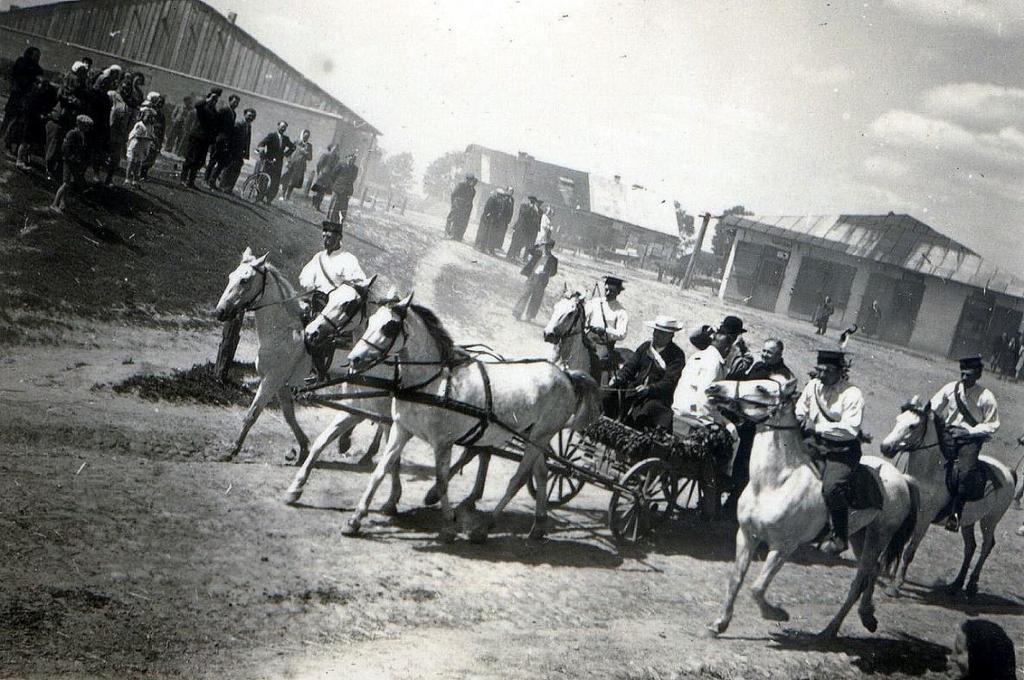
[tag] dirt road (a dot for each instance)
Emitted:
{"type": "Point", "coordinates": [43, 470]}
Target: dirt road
{"type": "Point", "coordinates": [128, 553]}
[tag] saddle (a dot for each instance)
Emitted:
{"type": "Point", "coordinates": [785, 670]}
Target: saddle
{"type": "Point", "coordinates": [867, 489]}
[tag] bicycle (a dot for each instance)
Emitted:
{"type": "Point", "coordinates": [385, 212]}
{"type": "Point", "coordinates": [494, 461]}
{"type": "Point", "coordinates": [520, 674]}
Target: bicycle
{"type": "Point", "coordinates": [256, 185]}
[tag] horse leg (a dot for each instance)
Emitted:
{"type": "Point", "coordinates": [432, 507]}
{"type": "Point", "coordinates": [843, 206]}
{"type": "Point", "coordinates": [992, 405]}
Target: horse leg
{"type": "Point", "coordinates": [343, 423]}
{"type": "Point", "coordinates": [442, 473]}
{"type": "Point", "coordinates": [397, 439]}
{"type": "Point", "coordinates": [284, 397]}
{"type": "Point", "coordinates": [867, 572]}
{"type": "Point", "coordinates": [263, 393]}
{"type": "Point", "coordinates": [432, 496]}
{"type": "Point", "coordinates": [540, 512]}
{"type": "Point", "coordinates": [776, 558]}
{"type": "Point", "coordinates": [970, 545]}
{"type": "Point", "coordinates": [390, 506]}
{"type": "Point", "coordinates": [745, 547]}
{"type": "Point", "coordinates": [893, 589]}
{"type": "Point", "coordinates": [483, 461]}
{"type": "Point", "coordinates": [988, 541]}
{"type": "Point", "coordinates": [380, 435]}
{"type": "Point", "coordinates": [480, 531]}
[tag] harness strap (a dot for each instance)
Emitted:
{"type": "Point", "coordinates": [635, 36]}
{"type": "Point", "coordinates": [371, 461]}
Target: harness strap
{"type": "Point", "coordinates": [477, 431]}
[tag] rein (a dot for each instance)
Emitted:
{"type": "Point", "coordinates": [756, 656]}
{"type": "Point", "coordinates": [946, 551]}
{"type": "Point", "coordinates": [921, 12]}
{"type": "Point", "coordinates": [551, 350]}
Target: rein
{"type": "Point", "coordinates": [920, 446]}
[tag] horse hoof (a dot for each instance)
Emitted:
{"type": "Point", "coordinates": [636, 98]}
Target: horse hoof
{"type": "Point", "coordinates": [717, 628]}
{"type": "Point", "coordinates": [892, 591]}
{"type": "Point", "coordinates": [431, 498]}
{"type": "Point", "coordinates": [478, 535]}
{"type": "Point", "coordinates": [292, 496]}
{"type": "Point", "coordinates": [869, 621]}
{"type": "Point", "coordinates": [446, 536]}
{"type": "Point", "coordinates": [971, 590]}
{"type": "Point", "coordinates": [389, 509]}
{"type": "Point", "coordinates": [827, 635]}
{"type": "Point", "coordinates": [291, 456]}
{"type": "Point", "coordinates": [344, 443]}
{"type": "Point", "coordinates": [772, 613]}
{"type": "Point", "coordinates": [952, 589]}
{"type": "Point", "coordinates": [536, 534]}
{"type": "Point", "coordinates": [351, 528]}
{"type": "Point", "coordinates": [227, 457]}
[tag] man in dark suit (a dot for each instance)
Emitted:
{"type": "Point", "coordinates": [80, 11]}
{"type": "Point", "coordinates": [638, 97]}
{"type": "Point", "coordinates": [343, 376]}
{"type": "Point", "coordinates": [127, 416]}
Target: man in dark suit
{"type": "Point", "coordinates": [238, 151]}
{"type": "Point", "coordinates": [488, 221]}
{"type": "Point", "coordinates": [220, 154]}
{"type": "Point", "coordinates": [644, 386]}
{"type": "Point", "coordinates": [502, 220]}
{"type": "Point", "coordinates": [462, 207]}
{"type": "Point", "coordinates": [274, 148]}
{"type": "Point", "coordinates": [343, 182]}
{"type": "Point", "coordinates": [201, 137]}
{"type": "Point", "coordinates": [527, 226]}
{"type": "Point", "coordinates": [539, 269]}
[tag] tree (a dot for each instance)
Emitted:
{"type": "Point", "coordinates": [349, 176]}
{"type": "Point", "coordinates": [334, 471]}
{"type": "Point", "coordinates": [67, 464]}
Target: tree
{"type": "Point", "coordinates": [441, 174]}
{"type": "Point", "coordinates": [396, 172]}
{"type": "Point", "coordinates": [721, 242]}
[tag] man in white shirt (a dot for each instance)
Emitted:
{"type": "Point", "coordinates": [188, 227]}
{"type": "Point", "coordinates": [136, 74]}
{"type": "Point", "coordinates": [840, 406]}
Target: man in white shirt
{"type": "Point", "coordinates": [328, 269]}
{"type": "Point", "coordinates": [971, 416]}
{"type": "Point", "coordinates": [607, 324]}
{"type": "Point", "coordinates": [690, 401]}
{"type": "Point", "coordinates": [831, 410]}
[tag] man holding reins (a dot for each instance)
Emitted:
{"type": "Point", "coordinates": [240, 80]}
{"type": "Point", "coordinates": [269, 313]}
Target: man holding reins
{"type": "Point", "coordinates": [607, 323]}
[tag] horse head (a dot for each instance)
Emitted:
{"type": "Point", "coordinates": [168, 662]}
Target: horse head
{"type": "Point", "coordinates": [755, 400]}
{"type": "Point", "coordinates": [346, 304]}
{"type": "Point", "coordinates": [909, 431]}
{"type": "Point", "coordinates": [568, 311]}
{"type": "Point", "coordinates": [245, 285]}
{"type": "Point", "coordinates": [380, 340]}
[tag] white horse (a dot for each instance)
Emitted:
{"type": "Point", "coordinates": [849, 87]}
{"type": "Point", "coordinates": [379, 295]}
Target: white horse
{"type": "Point", "coordinates": [566, 330]}
{"type": "Point", "coordinates": [782, 505]}
{"type": "Point", "coordinates": [347, 310]}
{"type": "Point", "coordinates": [282, 360]}
{"type": "Point", "coordinates": [916, 437]}
{"type": "Point", "coordinates": [529, 400]}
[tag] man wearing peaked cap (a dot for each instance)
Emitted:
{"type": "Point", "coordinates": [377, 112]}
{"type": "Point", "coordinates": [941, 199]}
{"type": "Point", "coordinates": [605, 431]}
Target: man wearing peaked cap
{"type": "Point", "coordinates": [970, 415]}
{"type": "Point", "coordinates": [644, 386]}
{"type": "Point", "coordinates": [607, 323]}
{"type": "Point", "coordinates": [831, 410]}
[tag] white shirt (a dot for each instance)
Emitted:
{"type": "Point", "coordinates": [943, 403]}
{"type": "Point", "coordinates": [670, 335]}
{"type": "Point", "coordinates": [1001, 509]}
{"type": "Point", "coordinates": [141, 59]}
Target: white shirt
{"type": "Point", "coordinates": [545, 232]}
{"type": "Point", "coordinates": [325, 272]}
{"type": "Point", "coordinates": [609, 315]}
{"type": "Point", "coordinates": [689, 399]}
{"type": "Point", "coordinates": [979, 400]}
{"type": "Point", "coordinates": [843, 404]}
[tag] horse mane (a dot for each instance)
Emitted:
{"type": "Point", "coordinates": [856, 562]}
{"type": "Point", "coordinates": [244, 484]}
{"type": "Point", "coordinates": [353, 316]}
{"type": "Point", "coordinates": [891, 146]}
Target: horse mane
{"type": "Point", "coordinates": [450, 354]}
{"type": "Point", "coordinates": [287, 288]}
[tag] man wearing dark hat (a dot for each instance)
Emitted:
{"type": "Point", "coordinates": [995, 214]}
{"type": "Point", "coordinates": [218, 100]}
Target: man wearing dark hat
{"type": "Point", "coordinates": [690, 400]}
{"type": "Point", "coordinates": [970, 416]}
{"type": "Point", "coordinates": [462, 207]}
{"type": "Point", "coordinates": [526, 228]}
{"type": "Point", "coordinates": [506, 207]}
{"type": "Point", "coordinates": [342, 179]}
{"type": "Point", "coordinates": [607, 323]}
{"type": "Point", "coordinates": [489, 221]}
{"type": "Point", "coordinates": [201, 137]}
{"type": "Point", "coordinates": [645, 384]}
{"type": "Point", "coordinates": [326, 271]}
{"type": "Point", "coordinates": [831, 410]}
{"type": "Point", "coordinates": [539, 268]}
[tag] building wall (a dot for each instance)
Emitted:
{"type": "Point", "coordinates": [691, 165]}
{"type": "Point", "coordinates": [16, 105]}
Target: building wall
{"type": "Point", "coordinates": [938, 316]}
{"type": "Point", "coordinates": [528, 177]}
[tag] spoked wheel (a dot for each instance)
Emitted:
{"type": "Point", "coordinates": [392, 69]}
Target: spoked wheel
{"type": "Point", "coordinates": [250, 190]}
{"type": "Point", "coordinates": [690, 494]}
{"type": "Point", "coordinates": [649, 501]}
{"type": "Point", "coordinates": [562, 487]}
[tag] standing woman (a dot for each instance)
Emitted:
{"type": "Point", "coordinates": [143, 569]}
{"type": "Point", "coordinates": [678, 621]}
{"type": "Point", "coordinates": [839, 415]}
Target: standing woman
{"type": "Point", "coordinates": [295, 173]}
{"type": "Point", "coordinates": [120, 125]}
{"type": "Point", "coordinates": [23, 78]}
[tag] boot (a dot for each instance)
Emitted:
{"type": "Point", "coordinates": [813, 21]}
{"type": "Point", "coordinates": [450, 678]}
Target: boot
{"type": "Point", "coordinates": [837, 541]}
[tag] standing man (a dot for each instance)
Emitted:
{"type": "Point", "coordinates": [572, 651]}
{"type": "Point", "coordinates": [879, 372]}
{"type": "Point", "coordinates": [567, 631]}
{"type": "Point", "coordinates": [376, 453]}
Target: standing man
{"type": "Point", "coordinates": [462, 207]}
{"type": "Point", "coordinates": [502, 220]}
{"type": "Point", "coordinates": [202, 135]}
{"type": "Point", "coordinates": [220, 155]}
{"type": "Point", "coordinates": [527, 226]}
{"type": "Point", "coordinates": [274, 148]}
{"type": "Point", "coordinates": [645, 385]}
{"type": "Point", "coordinates": [872, 319]}
{"type": "Point", "coordinates": [324, 175]}
{"type": "Point", "coordinates": [830, 410]}
{"type": "Point", "coordinates": [344, 184]}
{"type": "Point", "coordinates": [607, 323]}
{"type": "Point", "coordinates": [489, 221]}
{"type": "Point", "coordinates": [822, 314]}
{"type": "Point", "coordinates": [328, 269]}
{"type": "Point", "coordinates": [238, 151]}
{"type": "Point", "coordinates": [539, 268]}
{"type": "Point", "coordinates": [970, 415]}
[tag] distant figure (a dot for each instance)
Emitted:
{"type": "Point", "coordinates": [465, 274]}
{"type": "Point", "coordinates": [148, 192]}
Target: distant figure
{"type": "Point", "coordinates": [24, 72]}
{"type": "Point", "coordinates": [822, 313]}
{"type": "Point", "coordinates": [547, 229]}
{"type": "Point", "coordinates": [503, 219]}
{"type": "Point", "coordinates": [238, 152]}
{"type": "Point", "coordinates": [71, 101]}
{"type": "Point", "coordinates": [998, 347]}
{"type": "Point", "coordinates": [983, 651]}
{"type": "Point", "coordinates": [203, 134]}
{"type": "Point", "coordinates": [462, 207]}
{"type": "Point", "coordinates": [75, 155]}
{"type": "Point", "coordinates": [343, 181]}
{"type": "Point", "coordinates": [539, 268]}
{"type": "Point", "coordinates": [29, 130]}
{"type": "Point", "coordinates": [489, 221]}
{"type": "Point", "coordinates": [155, 103]}
{"type": "Point", "coordinates": [295, 173]}
{"type": "Point", "coordinates": [140, 140]}
{"type": "Point", "coordinates": [176, 132]}
{"type": "Point", "coordinates": [321, 182]}
{"type": "Point", "coordinates": [274, 148]}
{"type": "Point", "coordinates": [1008, 363]}
{"type": "Point", "coordinates": [527, 226]}
{"type": "Point", "coordinates": [872, 320]}
{"type": "Point", "coordinates": [220, 155]}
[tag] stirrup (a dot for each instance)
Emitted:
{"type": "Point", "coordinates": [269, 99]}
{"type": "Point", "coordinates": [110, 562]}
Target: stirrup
{"type": "Point", "coordinates": [952, 523]}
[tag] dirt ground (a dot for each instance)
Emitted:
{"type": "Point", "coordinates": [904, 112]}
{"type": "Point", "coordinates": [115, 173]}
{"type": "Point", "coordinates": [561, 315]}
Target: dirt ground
{"type": "Point", "coordinates": [128, 552]}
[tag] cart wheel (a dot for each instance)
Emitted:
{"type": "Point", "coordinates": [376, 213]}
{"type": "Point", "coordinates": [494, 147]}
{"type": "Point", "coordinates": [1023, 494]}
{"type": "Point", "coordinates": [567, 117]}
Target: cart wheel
{"type": "Point", "coordinates": [648, 502]}
{"type": "Point", "coordinates": [562, 487]}
{"type": "Point", "coordinates": [690, 494]}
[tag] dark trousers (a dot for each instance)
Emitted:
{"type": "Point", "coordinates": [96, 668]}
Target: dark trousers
{"type": "Point", "coordinates": [458, 220]}
{"type": "Point", "coordinates": [339, 206]}
{"type": "Point", "coordinates": [837, 484]}
{"type": "Point", "coordinates": [638, 413]}
{"type": "Point", "coordinates": [229, 176]}
{"type": "Point", "coordinates": [530, 301]}
{"type": "Point", "coordinates": [220, 159]}
{"type": "Point", "coordinates": [195, 158]}
{"type": "Point", "coordinates": [741, 463]}
{"type": "Point", "coordinates": [230, 335]}
{"type": "Point", "coordinates": [967, 473]}
{"type": "Point", "coordinates": [52, 155]}
{"type": "Point", "coordinates": [521, 238]}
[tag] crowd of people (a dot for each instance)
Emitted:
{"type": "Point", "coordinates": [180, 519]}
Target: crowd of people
{"type": "Point", "coordinates": [97, 119]}
{"type": "Point", "coordinates": [1007, 357]}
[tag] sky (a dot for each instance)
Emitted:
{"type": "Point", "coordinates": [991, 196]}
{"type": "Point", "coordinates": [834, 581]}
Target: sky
{"type": "Point", "coordinates": [787, 107]}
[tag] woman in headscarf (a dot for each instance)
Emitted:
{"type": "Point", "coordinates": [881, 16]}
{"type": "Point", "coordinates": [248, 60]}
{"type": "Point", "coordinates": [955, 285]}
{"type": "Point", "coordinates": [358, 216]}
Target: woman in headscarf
{"type": "Point", "coordinates": [121, 121]}
{"type": "Point", "coordinates": [24, 72]}
{"type": "Point", "coordinates": [295, 171]}
{"type": "Point", "coordinates": [72, 100]}
{"type": "Point", "coordinates": [99, 110]}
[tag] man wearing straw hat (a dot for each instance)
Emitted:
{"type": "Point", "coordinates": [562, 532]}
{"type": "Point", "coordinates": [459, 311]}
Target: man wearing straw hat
{"type": "Point", "coordinates": [642, 389]}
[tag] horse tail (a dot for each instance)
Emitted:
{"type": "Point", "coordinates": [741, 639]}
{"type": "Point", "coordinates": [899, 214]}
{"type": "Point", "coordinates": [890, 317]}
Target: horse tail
{"type": "Point", "coordinates": [905, 530]}
{"type": "Point", "coordinates": [588, 402]}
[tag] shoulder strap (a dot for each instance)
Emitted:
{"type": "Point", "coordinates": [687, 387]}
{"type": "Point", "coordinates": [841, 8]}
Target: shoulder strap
{"type": "Point", "coordinates": [320, 261]}
{"type": "Point", "coordinates": [823, 409]}
{"type": "Point", "coordinates": [965, 412]}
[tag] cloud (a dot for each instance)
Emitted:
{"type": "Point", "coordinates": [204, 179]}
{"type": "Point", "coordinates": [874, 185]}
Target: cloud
{"type": "Point", "coordinates": [885, 167]}
{"type": "Point", "coordinates": [906, 128]}
{"type": "Point", "coordinates": [830, 75]}
{"type": "Point", "coordinates": [1004, 18]}
{"type": "Point", "coordinates": [977, 103]}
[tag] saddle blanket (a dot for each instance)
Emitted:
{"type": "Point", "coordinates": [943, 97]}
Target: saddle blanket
{"type": "Point", "coordinates": [986, 483]}
{"type": "Point", "coordinates": [867, 489]}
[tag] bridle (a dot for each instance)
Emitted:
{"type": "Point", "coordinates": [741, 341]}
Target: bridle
{"type": "Point", "coordinates": [251, 304]}
{"type": "Point", "coordinates": [577, 327]}
{"type": "Point", "coordinates": [921, 431]}
{"type": "Point", "coordinates": [773, 409]}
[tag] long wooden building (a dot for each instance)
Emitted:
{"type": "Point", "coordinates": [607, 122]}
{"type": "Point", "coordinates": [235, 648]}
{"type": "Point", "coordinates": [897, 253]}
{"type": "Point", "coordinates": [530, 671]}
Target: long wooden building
{"type": "Point", "coordinates": [184, 47]}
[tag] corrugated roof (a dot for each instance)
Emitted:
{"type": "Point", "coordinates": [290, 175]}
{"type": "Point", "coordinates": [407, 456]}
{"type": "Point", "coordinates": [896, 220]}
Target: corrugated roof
{"type": "Point", "coordinates": [632, 204]}
{"type": "Point", "coordinates": [898, 240]}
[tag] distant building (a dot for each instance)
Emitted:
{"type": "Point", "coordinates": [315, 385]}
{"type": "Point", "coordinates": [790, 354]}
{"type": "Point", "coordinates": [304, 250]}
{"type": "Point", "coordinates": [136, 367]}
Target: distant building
{"type": "Point", "coordinates": [184, 47]}
{"type": "Point", "coordinates": [557, 185]}
{"type": "Point", "coordinates": [935, 294]}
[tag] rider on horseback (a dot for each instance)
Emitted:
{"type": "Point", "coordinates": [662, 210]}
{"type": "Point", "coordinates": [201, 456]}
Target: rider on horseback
{"type": "Point", "coordinates": [830, 411]}
{"type": "Point", "coordinates": [328, 269]}
{"type": "Point", "coordinates": [607, 323]}
{"type": "Point", "coordinates": [970, 416]}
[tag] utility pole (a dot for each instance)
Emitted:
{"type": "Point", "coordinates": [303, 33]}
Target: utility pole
{"type": "Point", "coordinates": [688, 276]}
